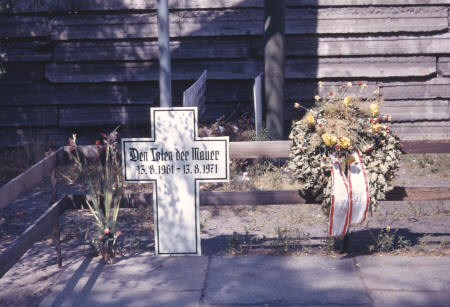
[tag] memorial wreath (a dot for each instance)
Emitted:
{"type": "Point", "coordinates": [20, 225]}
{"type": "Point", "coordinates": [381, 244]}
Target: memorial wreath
{"type": "Point", "coordinates": [344, 155]}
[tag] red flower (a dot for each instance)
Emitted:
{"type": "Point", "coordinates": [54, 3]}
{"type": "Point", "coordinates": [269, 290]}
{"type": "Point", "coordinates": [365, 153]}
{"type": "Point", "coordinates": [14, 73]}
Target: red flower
{"type": "Point", "coordinates": [118, 233]}
{"type": "Point", "coordinates": [97, 142]}
{"type": "Point", "coordinates": [331, 93]}
{"type": "Point", "coordinates": [106, 231]}
{"type": "Point", "coordinates": [359, 82]}
{"type": "Point", "coordinates": [343, 85]}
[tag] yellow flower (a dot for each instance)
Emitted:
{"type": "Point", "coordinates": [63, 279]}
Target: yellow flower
{"type": "Point", "coordinates": [296, 105]}
{"type": "Point", "coordinates": [347, 101]}
{"type": "Point", "coordinates": [317, 98]}
{"type": "Point", "coordinates": [377, 91]}
{"type": "Point", "coordinates": [374, 109]}
{"type": "Point", "coordinates": [329, 139]}
{"type": "Point", "coordinates": [320, 83]}
{"type": "Point", "coordinates": [311, 119]}
{"type": "Point", "coordinates": [349, 84]}
{"type": "Point", "coordinates": [388, 228]}
{"type": "Point", "coordinates": [364, 85]}
{"type": "Point", "coordinates": [344, 142]}
{"type": "Point", "coordinates": [350, 159]}
{"type": "Point", "coordinates": [376, 128]}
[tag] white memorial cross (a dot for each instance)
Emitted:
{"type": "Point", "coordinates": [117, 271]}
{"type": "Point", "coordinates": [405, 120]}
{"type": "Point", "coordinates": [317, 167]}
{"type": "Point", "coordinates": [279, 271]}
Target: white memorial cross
{"type": "Point", "coordinates": [175, 160]}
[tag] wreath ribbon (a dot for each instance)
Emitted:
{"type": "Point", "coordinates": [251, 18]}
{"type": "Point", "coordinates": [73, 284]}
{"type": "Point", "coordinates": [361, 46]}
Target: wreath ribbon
{"type": "Point", "coordinates": [349, 196]}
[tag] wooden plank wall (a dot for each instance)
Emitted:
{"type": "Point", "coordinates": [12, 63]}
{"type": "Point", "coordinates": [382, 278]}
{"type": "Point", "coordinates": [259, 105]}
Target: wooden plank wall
{"type": "Point", "coordinates": [88, 65]}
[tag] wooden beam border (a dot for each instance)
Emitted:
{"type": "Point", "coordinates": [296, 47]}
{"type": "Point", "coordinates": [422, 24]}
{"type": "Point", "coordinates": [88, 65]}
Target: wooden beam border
{"type": "Point", "coordinates": [35, 232]}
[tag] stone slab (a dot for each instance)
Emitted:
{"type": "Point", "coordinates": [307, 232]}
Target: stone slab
{"type": "Point", "coordinates": [139, 281]}
{"type": "Point", "coordinates": [409, 298]}
{"type": "Point", "coordinates": [405, 273]}
{"type": "Point", "coordinates": [283, 280]}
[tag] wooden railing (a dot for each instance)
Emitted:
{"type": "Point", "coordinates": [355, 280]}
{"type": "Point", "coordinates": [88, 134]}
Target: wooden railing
{"type": "Point", "coordinates": [239, 150]}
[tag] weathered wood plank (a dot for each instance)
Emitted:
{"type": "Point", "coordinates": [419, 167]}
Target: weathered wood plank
{"type": "Point", "coordinates": [22, 73]}
{"type": "Point", "coordinates": [13, 137]}
{"type": "Point", "coordinates": [27, 179]}
{"type": "Point", "coordinates": [32, 234]}
{"type": "Point", "coordinates": [103, 115]}
{"type": "Point", "coordinates": [413, 110]}
{"type": "Point", "coordinates": [370, 67]}
{"type": "Point", "coordinates": [36, 6]}
{"type": "Point", "coordinates": [23, 26]}
{"type": "Point", "coordinates": [360, 46]}
{"type": "Point", "coordinates": [281, 149]}
{"type": "Point", "coordinates": [116, 26]}
{"type": "Point", "coordinates": [303, 68]}
{"type": "Point", "coordinates": [422, 147]}
{"type": "Point", "coordinates": [95, 5]}
{"type": "Point", "coordinates": [225, 48]}
{"type": "Point", "coordinates": [227, 22]}
{"type": "Point", "coordinates": [444, 66]}
{"type": "Point", "coordinates": [271, 197]}
{"type": "Point", "coordinates": [28, 116]}
{"type": "Point", "coordinates": [432, 130]}
{"type": "Point", "coordinates": [261, 149]}
{"type": "Point", "coordinates": [82, 94]}
{"type": "Point", "coordinates": [436, 88]}
{"type": "Point", "coordinates": [26, 51]}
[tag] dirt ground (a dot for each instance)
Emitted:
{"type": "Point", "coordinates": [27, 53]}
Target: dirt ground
{"type": "Point", "coordinates": [413, 228]}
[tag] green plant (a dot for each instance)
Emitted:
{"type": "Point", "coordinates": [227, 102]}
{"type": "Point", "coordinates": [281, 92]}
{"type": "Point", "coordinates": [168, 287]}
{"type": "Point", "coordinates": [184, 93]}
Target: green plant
{"type": "Point", "coordinates": [105, 189]}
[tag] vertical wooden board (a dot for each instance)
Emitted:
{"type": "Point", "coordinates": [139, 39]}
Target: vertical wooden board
{"type": "Point", "coordinates": [28, 116]}
{"type": "Point", "coordinates": [103, 115]}
{"type": "Point", "coordinates": [27, 179]}
{"type": "Point", "coordinates": [23, 26]}
{"type": "Point", "coordinates": [258, 103]}
{"type": "Point", "coordinates": [407, 110]}
{"type": "Point", "coordinates": [195, 95]}
{"type": "Point", "coordinates": [436, 88]}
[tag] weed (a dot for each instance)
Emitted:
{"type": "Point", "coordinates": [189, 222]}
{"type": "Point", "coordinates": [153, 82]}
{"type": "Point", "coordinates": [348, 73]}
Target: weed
{"type": "Point", "coordinates": [384, 241]}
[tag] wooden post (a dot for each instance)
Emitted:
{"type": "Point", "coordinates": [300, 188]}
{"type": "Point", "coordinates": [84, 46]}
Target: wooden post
{"type": "Point", "coordinates": [274, 12]}
{"type": "Point", "coordinates": [56, 230]}
{"type": "Point", "coordinates": [165, 71]}
{"type": "Point", "coordinates": [257, 103]}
